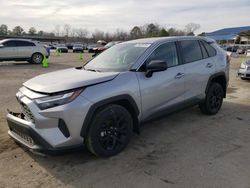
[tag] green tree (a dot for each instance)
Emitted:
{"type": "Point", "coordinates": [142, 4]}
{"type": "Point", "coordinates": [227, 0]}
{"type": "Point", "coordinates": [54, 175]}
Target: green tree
{"type": "Point", "coordinates": [163, 33]}
{"type": "Point", "coordinates": [18, 30]}
{"type": "Point", "coordinates": [3, 29]}
{"type": "Point", "coordinates": [32, 31]}
{"type": "Point", "coordinates": [40, 33]}
{"type": "Point", "coordinates": [152, 30]}
{"type": "Point", "coordinates": [176, 32]}
{"type": "Point", "coordinates": [136, 32]}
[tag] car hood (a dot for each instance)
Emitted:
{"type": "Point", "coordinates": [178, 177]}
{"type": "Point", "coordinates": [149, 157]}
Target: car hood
{"type": "Point", "coordinates": [247, 62]}
{"type": "Point", "coordinates": [67, 79]}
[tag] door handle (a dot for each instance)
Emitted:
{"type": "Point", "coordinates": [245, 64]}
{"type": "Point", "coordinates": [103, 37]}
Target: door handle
{"type": "Point", "coordinates": [209, 65]}
{"type": "Point", "coordinates": [179, 75]}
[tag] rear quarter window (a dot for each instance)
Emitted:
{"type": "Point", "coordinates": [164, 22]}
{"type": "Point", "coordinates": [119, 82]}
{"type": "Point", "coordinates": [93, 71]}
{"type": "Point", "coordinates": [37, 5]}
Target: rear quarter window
{"type": "Point", "coordinates": [210, 50]}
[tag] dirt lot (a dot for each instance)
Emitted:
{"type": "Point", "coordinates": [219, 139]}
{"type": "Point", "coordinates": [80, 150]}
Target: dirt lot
{"type": "Point", "coordinates": [185, 149]}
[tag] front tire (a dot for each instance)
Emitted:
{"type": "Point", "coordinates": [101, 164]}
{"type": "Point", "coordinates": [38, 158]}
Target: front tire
{"type": "Point", "coordinates": [37, 58]}
{"type": "Point", "coordinates": [110, 131]}
{"type": "Point", "coordinates": [213, 100]}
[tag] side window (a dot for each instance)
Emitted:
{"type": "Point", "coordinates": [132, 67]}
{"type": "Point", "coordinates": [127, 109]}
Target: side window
{"type": "Point", "coordinates": [24, 43]}
{"type": "Point", "coordinates": [204, 51]}
{"type": "Point", "coordinates": [166, 52]}
{"type": "Point", "coordinates": [191, 50]}
{"type": "Point", "coordinates": [10, 43]}
{"type": "Point", "coordinates": [211, 51]}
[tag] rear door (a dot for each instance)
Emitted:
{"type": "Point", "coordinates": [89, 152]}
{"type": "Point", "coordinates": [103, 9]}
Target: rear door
{"type": "Point", "coordinates": [198, 68]}
{"type": "Point", "coordinates": [9, 50]}
{"type": "Point", "coordinates": [165, 88]}
{"type": "Point", "coordinates": [25, 49]}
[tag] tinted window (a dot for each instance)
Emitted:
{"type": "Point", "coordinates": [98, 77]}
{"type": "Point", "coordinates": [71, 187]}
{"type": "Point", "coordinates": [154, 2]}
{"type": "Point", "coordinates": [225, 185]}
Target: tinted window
{"type": "Point", "coordinates": [211, 51]}
{"type": "Point", "coordinates": [204, 51]}
{"type": "Point", "coordinates": [9, 44]}
{"type": "Point", "coordinates": [24, 43]}
{"type": "Point", "coordinates": [191, 50]}
{"type": "Point", "coordinates": [166, 52]}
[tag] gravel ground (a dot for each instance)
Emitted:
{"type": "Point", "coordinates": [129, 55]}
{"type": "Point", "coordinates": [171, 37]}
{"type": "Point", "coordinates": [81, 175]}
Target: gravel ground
{"type": "Point", "coordinates": [185, 149]}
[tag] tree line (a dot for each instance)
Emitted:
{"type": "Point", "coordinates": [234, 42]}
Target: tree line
{"type": "Point", "coordinates": [144, 31]}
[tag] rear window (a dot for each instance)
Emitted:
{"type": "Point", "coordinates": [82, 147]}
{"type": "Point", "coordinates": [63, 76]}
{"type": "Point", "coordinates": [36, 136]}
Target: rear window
{"type": "Point", "coordinates": [210, 50]}
{"type": "Point", "coordinates": [191, 50]}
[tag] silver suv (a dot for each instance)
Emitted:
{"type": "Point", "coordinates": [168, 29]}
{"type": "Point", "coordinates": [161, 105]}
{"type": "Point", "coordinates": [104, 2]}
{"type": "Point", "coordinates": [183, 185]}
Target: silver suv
{"type": "Point", "coordinates": [22, 50]}
{"type": "Point", "coordinates": [103, 102]}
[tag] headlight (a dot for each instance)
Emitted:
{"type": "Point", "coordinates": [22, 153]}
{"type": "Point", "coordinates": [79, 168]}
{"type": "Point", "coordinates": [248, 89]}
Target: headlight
{"type": "Point", "coordinates": [242, 66]}
{"type": "Point", "coordinates": [57, 100]}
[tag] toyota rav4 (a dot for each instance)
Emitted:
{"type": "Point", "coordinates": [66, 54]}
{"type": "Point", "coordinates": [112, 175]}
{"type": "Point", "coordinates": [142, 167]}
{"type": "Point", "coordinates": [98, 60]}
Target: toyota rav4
{"type": "Point", "coordinates": [103, 102]}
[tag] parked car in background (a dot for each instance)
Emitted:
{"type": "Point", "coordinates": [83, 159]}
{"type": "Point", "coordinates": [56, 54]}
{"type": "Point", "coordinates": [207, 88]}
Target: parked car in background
{"type": "Point", "coordinates": [103, 48]}
{"type": "Point", "coordinates": [52, 46]}
{"type": "Point", "coordinates": [101, 103]}
{"type": "Point", "coordinates": [69, 46]}
{"type": "Point", "coordinates": [78, 48]}
{"type": "Point", "coordinates": [248, 52]}
{"type": "Point", "coordinates": [91, 47]}
{"type": "Point", "coordinates": [244, 70]}
{"type": "Point", "coordinates": [22, 50]}
{"type": "Point", "coordinates": [63, 48]}
{"type": "Point", "coordinates": [242, 50]}
{"type": "Point", "coordinates": [232, 48]}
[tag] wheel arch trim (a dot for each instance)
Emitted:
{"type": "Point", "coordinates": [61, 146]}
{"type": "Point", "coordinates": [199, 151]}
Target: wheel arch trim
{"type": "Point", "coordinates": [111, 100]}
{"type": "Point", "coordinates": [215, 76]}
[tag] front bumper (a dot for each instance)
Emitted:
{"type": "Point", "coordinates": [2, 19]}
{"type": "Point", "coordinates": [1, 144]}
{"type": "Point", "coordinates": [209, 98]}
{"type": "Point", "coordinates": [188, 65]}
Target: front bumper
{"type": "Point", "coordinates": [244, 73]}
{"type": "Point", "coordinates": [52, 130]}
{"type": "Point", "coordinates": [21, 131]}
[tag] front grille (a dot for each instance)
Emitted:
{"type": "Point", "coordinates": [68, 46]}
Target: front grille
{"type": "Point", "coordinates": [26, 112]}
{"type": "Point", "coordinates": [247, 75]}
{"type": "Point", "coordinates": [23, 137]}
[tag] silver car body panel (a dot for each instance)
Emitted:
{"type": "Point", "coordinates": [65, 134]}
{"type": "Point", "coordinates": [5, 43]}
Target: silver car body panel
{"type": "Point", "coordinates": [67, 79]}
{"type": "Point", "coordinates": [21, 51]}
{"type": "Point", "coordinates": [244, 70]}
{"type": "Point", "coordinates": [151, 95]}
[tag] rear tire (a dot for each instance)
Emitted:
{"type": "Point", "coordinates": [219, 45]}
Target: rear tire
{"type": "Point", "coordinates": [110, 131]}
{"type": "Point", "coordinates": [243, 78]}
{"type": "Point", "coordinates": [213, 101]}
{"type": "Point", "coordinates": [37, 58]}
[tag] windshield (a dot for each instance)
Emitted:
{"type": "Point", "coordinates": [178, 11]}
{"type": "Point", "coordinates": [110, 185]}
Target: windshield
{"type": "Point", "coordinates": [78, 45]}
{"type": "Point", "coordinates": [117, 58]}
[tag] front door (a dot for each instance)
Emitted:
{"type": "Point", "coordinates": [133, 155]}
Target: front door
{"type": "Point", "coordinates": [8, 50]}
{"type": "Point", "coordinates": [165, 88]}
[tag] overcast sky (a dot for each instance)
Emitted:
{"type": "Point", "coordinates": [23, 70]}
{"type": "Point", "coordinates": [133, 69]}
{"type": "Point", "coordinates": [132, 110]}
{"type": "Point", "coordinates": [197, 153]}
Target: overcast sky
{"type": "Point", "coordinates": [108, 15]}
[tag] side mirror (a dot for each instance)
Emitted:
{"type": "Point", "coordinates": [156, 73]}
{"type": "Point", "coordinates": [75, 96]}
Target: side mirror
{"type": "Point", "coordinates": [155, 66]}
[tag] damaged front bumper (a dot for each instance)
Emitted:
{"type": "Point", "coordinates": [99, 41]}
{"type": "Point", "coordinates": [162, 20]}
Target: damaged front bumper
{"type": "Point", "coordinates": [21, 130]}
